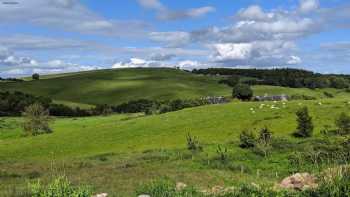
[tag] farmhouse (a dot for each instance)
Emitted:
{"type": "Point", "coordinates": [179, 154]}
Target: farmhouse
{"type": "Point", "coordinates": [282, 97]}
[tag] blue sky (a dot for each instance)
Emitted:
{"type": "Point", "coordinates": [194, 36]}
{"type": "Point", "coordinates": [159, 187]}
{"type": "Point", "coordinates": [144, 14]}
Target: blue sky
{"type": "Point", "coordinates": [53, 36]}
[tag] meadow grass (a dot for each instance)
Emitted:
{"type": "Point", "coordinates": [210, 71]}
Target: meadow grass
{"type": "Point", "coordinates": [122, 85]}
{"type": "Point", "coordinates": [118, 153]}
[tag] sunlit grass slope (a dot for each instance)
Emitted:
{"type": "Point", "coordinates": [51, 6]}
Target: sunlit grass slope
{"type": "Point", "coordinates": [118, 86]}
{"type": "Point", "coordinates": [212, 124]}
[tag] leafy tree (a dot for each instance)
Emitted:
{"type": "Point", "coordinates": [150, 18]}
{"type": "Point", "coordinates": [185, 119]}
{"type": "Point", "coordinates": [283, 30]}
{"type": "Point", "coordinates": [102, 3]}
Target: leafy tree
{"type": "Point", "coordinates": [343, 124]}
{"type": "Point", "coordinates": [36, 120]}
{"type": "Point", "coordinates": [247, 139]}
{"type": "Point", "coordinates": [305, 126]}
{"type": "Point", "coordinates": [338, 82]}
{"type": "Point", "coordinates": [242, 92]}
{"type": "Point", "coordinates": [35, 76]}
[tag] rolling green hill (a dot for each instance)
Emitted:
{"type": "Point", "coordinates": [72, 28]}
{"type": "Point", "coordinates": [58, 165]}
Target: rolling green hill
{"type": "Point", "coordinates": [118, 86]}
{"type": "Point", "coordinates": [117, 153]}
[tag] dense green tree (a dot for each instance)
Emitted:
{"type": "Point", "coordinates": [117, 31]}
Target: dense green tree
{"type": "Point", "coordinates": [242, 92]}
{"type": "Point", "coordinates": [287, 77]}
{"type": "Point", "coordinates": [338, 82]}
{"type": "Point", "coordinates": [35, 76]}
{"type": "Point", "coordinates": [305, 125]}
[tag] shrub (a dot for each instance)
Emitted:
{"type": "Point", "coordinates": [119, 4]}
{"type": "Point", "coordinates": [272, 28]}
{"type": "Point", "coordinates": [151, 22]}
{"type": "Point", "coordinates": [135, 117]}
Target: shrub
{"type": "Point", "coordinates": [305, 126]}
{"type": "Point", "coordinates": [343, 124]}
{"type": "Point", "coordinates": [36, 120]}
{"type": "Point", "coordinates": [222, 154]}
{"type": "Point", "coordinates": [193, 143]}
{"type": "Point", "coordinates": [265, 135]}
{"type": "Point", "coordinates": [247, 139]}
{"type": "Point", "coordinates": [60, 187]}
{"type": "Point", "coordinates": [242, 92]}
{"type": "Point", "coordinates": [263, 144]}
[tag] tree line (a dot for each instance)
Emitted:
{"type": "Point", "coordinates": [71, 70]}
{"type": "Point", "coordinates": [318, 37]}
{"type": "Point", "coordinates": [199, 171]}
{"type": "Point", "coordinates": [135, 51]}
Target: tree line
{"type": "Point", "coordinates": [287, 77]}
{"type": "Point", "coordinates": [11, 79]}
{"type": "Point", "coordinates": [15, 103]}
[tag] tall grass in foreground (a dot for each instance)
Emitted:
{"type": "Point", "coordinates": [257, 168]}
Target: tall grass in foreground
{"type": "Point", "coordinates": [333, 183]}
{"type": "Point", "coordinates": [60, 187]}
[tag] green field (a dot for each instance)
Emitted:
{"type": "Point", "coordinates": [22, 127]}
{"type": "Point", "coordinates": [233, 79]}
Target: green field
{"type": "Point", "coordinates": [117, 153]}
{"type": "Point", "coordinates": [121, 85]}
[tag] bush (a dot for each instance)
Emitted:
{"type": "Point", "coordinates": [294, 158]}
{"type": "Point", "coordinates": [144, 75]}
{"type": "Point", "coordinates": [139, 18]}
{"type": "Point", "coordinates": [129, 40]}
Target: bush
{"type": "Point", "coordinates": [343, 124]}
{"type": "Point", "coordinates": [60, 187]}
{"type": "Point", "coordinates": [36, 120]}
{"type": "Point", "coordinates": [242, 92]}
{"type": "Point", "coordinates": [193, 143]}
{"type": "Point", "coordinates": [263, 144]}
{"type": "Point", "coordinates": [265, 135]}
{"type": "Point", "coordinates": [247, 139]}
{"type": "Point", "coordinates": [222, 154]}
{"type": "Point", "coordinates": [305, 126]}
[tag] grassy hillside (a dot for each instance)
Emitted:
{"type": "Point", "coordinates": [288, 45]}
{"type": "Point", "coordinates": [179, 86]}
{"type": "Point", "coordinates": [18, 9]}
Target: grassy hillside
{"type": "Point", "coordinates": [118, 86]}
{"type": "Point", "coordinates": [117, 153]}
{"type": "Point", "coordinates": [261, 90]}
{"type": "Point", "coordinates": [120, 133]}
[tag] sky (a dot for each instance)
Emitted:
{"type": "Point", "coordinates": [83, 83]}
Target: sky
{"type": "Point", "coordinates": [57, 36]}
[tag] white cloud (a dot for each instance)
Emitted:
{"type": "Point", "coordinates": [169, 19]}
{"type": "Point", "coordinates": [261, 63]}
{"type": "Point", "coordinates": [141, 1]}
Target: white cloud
{"type": "Point", "coordinates": [294, 60]}
{"type": "Point", "coordinates": [15, 66]}
{"type": "Point", "coordinates": [258, 53]}
{"type": "Point", "coordinates": [143, 63]}
{"type": "Point", "coordinates": [232, 51]}
{"type": "Point", "coordinates": [164, 13]}
{"type": "Point", "coordinates": [162, 56]}
{"type": "Point", "coordinates": [254, 13]}
{"type": "Point", "coordinates": [171, 39]}
{"type": "Point", "coordinates": [152, 4]}
{"type": "Point", "coordinates": [308, 5]}
{"type": "Point", "coordinates": [190, 64]}
{"type": "Point", "coordinates": [133, 63]}
{"type": "Point", "coordinates": [26, 42]}
{"type": "Point", "coordinates": [69, 15]}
